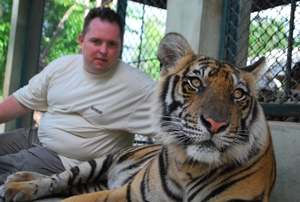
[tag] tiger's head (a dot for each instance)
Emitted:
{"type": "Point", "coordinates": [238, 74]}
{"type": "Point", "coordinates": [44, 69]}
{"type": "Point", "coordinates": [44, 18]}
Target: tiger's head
{"type": "Point", "coordinates": [206, 107]}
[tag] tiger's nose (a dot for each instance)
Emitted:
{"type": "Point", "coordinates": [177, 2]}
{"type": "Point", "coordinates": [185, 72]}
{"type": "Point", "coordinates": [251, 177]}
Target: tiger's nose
{"type": "Point", "coordinates": [214, 126]}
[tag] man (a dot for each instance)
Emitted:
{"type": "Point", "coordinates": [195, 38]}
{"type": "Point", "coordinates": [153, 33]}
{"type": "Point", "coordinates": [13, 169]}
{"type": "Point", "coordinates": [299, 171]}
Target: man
{"type": "Point", "coordinates": [94, 103]}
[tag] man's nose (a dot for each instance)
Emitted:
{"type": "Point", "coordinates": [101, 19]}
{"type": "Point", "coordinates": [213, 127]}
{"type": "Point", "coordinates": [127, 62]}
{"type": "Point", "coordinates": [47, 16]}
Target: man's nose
{"type": "Point", "coordinates": [103, 48]}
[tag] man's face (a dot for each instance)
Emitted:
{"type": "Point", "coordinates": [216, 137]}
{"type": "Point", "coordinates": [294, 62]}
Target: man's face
{"type": "Point", "coordinates": [100, 46]}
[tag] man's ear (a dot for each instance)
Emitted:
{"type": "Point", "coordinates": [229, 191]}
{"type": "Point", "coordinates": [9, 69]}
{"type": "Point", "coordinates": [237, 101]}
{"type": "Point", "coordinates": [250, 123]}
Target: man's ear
{"type": "Point", "coordinates": [80, 39]}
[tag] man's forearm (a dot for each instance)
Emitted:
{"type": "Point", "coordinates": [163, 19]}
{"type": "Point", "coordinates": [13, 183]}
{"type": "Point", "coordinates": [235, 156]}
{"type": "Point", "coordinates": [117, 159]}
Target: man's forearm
{"type": "Point", "coordinates": [11, 108]}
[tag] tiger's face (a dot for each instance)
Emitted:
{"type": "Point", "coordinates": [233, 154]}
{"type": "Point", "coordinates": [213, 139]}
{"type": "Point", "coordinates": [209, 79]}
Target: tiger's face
{"type": "Point", "coordinates": [207, 107]}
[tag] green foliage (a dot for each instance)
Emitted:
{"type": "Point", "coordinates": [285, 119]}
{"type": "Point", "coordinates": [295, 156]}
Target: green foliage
{"type": "Point", "coordinates": [268, 33]}
{"type": "Point", "coordinates": [66, 41]}
{"type": "Point", "coordinates": [152, 37]}
{"type": "Point", "coordinates": [144, 53]}
{"type": "Point", "coordinates": [5, 15]}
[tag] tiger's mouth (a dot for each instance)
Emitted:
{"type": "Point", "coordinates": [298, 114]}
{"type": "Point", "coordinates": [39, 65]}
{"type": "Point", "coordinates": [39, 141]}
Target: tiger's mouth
{"type": "Point", "coordinates": [207, 146]}
{"type": "Point", "coordinates": [204, 152]}
{"type": "Point", "coordinates": [200, 142]}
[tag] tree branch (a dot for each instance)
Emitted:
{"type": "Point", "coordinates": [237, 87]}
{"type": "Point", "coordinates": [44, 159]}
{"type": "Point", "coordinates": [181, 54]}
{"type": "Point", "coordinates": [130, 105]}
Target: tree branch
{"type": "Point", "coordinates": [59, 28]}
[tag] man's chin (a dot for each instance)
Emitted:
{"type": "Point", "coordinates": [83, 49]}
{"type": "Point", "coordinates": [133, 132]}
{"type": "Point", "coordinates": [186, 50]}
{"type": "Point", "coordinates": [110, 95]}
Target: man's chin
{"type": "Point", "coordinates": [101, 69]}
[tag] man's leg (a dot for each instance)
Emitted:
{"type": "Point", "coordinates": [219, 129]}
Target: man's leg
{"type": "Point", "coordinates": [33, 157]}
{"type": "Point", "coordinates": [16, 140]}
{"type": "Point", "coordinates": [37, 159]}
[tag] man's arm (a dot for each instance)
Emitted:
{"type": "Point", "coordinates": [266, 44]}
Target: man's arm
{"type": "Point", "coordinates": [11, 108]}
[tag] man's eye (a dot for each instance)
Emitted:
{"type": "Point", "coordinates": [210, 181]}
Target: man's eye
{"type": "Point", "coordinates": [95, 41]}
{"type": "Point", "coordinates": [113, 44]}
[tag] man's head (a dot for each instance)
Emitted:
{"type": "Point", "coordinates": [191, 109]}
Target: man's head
{"type": "Point", "coordinates": [104, 13]}
{"type": "Point", "coordinates": [101, 40]}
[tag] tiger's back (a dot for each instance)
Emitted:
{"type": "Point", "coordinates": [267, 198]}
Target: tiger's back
{"type": "Point", "coordinates": [216, 141]}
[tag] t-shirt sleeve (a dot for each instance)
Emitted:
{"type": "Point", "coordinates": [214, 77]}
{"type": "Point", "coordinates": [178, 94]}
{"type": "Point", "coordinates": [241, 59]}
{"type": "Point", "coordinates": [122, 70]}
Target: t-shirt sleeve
{"type": "Point", "coordinates": [34, 94]}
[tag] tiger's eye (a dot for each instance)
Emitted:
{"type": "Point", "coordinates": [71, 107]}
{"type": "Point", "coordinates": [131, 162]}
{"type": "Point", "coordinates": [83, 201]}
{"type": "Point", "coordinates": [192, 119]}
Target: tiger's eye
{"type": "Point", "coordinates": [196, 82]}
{"type": "Point", "coordinates": [238, 93]}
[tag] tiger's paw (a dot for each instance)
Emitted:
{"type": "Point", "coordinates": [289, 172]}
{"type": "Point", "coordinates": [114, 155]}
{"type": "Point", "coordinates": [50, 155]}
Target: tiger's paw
{"type": "Point", "coordinates": [17, 191]}
{"type": "Point", "coordinates": [23, 176]}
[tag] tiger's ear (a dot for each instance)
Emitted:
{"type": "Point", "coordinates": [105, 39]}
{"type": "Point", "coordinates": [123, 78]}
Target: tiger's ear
{"type": "Point", "coordinates": [171, 49]}
{"type": "Point", "coordinates": [257, 68]}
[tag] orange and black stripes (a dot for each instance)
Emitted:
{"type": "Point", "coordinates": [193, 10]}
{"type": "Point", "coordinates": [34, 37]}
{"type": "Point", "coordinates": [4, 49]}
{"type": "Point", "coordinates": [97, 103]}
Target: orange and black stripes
{"type": "Point", "coordinates": [216, 142]}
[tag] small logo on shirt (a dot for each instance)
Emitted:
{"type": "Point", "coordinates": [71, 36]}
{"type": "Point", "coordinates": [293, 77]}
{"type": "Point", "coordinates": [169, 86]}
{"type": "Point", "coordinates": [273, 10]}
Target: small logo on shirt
{"type": "Point", "coordinates": [96, 110]}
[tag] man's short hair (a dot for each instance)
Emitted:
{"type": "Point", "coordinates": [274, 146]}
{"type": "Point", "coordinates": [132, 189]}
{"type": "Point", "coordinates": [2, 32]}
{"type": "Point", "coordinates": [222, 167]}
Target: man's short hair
{"type": "Point", "coordinates": [104, 13]}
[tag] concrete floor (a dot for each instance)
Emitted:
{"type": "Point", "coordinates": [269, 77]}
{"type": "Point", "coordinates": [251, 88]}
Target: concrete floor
{"type": "Point", "coordinates": [286, 141]}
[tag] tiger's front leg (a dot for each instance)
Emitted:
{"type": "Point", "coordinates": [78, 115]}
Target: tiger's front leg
{"type": "Point", "coordinates": [24, 176]}
{"type": "Point", "coordinates": [14, 180]}
{"type": "Point", "coordinates": [34, 189]}
{"type": "Point", "coordinates": [57, 183]}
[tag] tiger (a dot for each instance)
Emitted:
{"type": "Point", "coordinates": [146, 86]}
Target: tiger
{"type": "Point", "coordinates": [216, 143]}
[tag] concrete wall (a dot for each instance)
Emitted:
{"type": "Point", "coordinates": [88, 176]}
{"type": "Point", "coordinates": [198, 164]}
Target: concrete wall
{"type": "Point", "coordinates": [199, 21]}
{"type": "Point", "coordinates": [286, 140]}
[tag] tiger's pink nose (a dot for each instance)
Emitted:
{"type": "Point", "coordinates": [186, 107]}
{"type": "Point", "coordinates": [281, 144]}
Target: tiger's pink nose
{"type": "Point", "coordinates": [215, 126]}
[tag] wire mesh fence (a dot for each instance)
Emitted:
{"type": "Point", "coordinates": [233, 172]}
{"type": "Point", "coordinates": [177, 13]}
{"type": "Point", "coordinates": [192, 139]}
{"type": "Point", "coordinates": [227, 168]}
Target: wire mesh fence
{"type": "Point", "coordinates": [280, 43]}
{"type": "Point", "coordinates": [144, 27]}
{"type": "Point", "coordinates": [271, 29]}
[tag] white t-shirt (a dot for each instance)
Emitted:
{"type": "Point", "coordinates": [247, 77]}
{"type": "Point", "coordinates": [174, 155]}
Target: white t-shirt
{"type": "Point", "coordinates": [88, 115]}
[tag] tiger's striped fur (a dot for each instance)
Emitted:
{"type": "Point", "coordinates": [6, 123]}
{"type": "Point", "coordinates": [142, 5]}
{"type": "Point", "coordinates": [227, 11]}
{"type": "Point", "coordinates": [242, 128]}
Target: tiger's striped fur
{"type": "Point", "coordinates": [216, 142]}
